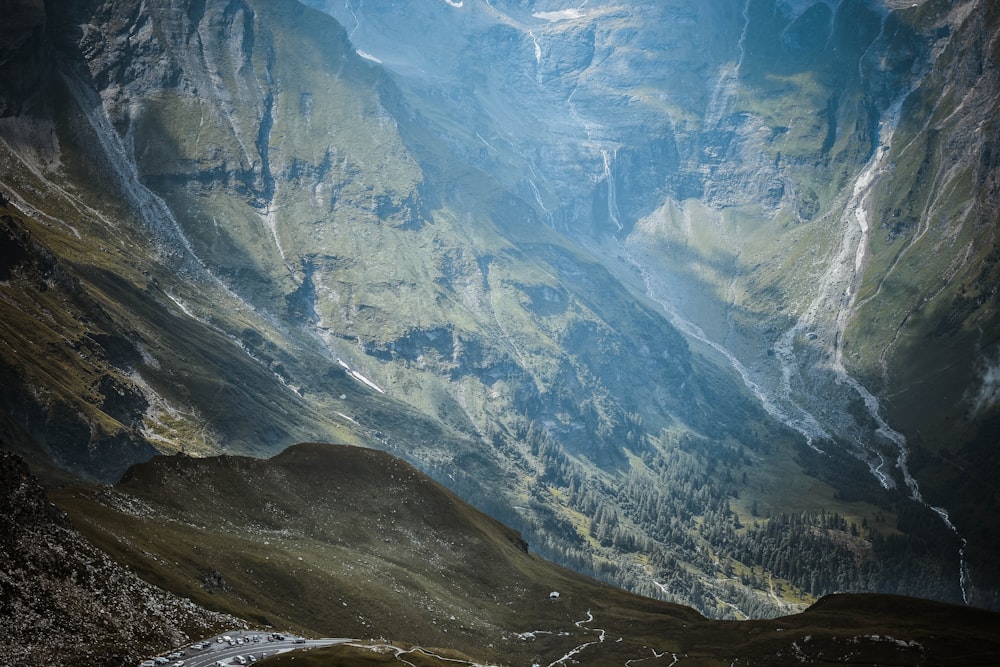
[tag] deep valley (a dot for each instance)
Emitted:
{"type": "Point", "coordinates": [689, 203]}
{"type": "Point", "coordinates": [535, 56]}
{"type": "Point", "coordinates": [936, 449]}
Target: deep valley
{"type": "Point", "coordinates": [697, 301]}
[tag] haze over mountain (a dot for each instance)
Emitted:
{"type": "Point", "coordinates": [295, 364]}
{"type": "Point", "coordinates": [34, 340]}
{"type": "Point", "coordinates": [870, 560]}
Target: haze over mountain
{"type": "Point", "coordinates": [701, 299]}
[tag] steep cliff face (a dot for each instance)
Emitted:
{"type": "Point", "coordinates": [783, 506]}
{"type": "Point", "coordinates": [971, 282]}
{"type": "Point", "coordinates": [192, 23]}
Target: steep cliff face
{"type": "Point", "coordinates": [123, 327]}
{"type": "Point", "coordinates": [294, 188]}
{"type": "Point", "coordinates": [608, 271]}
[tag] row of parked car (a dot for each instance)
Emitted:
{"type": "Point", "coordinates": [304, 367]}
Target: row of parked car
{"type": "Point", "coordinates": [176, 659]}
{"type": "Point", "coordinates": [237, 660]}
{"type": "Point", "coordinates": [160, 660]}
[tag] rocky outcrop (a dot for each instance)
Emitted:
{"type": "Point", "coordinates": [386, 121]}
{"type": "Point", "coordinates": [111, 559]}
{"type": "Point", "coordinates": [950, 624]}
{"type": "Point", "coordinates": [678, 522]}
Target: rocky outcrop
{"type": "Point", "coordinates": [66, 602]}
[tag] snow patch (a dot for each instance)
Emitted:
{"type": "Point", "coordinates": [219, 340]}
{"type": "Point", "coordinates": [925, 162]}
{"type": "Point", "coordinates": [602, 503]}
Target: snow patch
{"type": "Point", "coordinates": [538, 48]}
{"type": "Point", "coordinates": [561, 15]}
{"type": "Point", "coordinates": [359, 377]}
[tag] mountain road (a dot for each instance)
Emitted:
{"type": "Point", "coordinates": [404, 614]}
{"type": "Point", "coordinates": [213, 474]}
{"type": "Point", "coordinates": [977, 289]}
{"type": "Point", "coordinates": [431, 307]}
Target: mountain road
{"type": "Point", "coordinates": [237, 648]}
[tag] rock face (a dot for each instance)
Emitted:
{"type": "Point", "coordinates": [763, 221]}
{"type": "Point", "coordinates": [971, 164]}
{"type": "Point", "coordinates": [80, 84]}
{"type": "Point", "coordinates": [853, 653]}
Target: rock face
{"type": "Point", "coordinates": [609, 272]}
{"type": "Point", "coordinates": [66, 602]}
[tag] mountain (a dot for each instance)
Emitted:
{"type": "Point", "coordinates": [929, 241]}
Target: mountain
{"type": "Point", "coordinates": [806, 188]}
{"type": "Point", "coordinates": [346, 541]}
{"type": "Point", "coordinates": [332, 541]}
{"type": "Point", "coordinates": [701, 301]}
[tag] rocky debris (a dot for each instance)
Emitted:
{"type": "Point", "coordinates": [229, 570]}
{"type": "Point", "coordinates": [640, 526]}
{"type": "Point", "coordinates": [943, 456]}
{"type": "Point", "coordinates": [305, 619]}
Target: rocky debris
{"type": "Point", "coordinates": [213, 580]}
{"type": "Point", "coordinates": [64, 602]}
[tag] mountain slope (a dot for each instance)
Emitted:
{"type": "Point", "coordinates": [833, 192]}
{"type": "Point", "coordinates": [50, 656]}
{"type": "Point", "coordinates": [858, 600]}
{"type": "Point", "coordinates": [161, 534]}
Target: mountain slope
{"type": "Point", "coordinates": [347, 541]}
{"type": "Point", "coordinates": [335, 541]}
{"type": "Point", "coordinates": [800, 187]}
{"type": "Point", "coordinates": [267, 269]}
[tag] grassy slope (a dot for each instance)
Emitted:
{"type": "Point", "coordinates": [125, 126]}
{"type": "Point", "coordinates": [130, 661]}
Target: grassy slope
{"type": "Point", "coordinates": [340, 541]}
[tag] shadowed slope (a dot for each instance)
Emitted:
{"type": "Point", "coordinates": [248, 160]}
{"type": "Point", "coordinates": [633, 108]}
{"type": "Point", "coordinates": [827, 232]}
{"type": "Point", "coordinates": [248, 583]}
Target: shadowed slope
{"type": "Point", "coordinates": [344, 541]}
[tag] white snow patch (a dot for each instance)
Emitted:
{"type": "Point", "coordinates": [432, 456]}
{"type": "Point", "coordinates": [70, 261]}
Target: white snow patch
{"type": "Point", "coordinates": [359, 377]}
{"type": "Point", "coordinates": [368, 56]}
{"type": "Point", "coordinates": [561, 15]}
{"type": "Point", "coordinates": [183, 306]}
{"type": "Point", "coordinates": [538, 48]}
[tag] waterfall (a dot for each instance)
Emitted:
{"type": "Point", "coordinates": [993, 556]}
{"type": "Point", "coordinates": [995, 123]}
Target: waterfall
{"type": "Point", "coordinates": [613, 213]}
{"type": "Point", "coordinates": [726, 85]}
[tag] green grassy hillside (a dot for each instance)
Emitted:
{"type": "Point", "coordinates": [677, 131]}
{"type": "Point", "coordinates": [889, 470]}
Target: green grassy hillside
{"type": "Point", "coordinates": [341, 541]}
